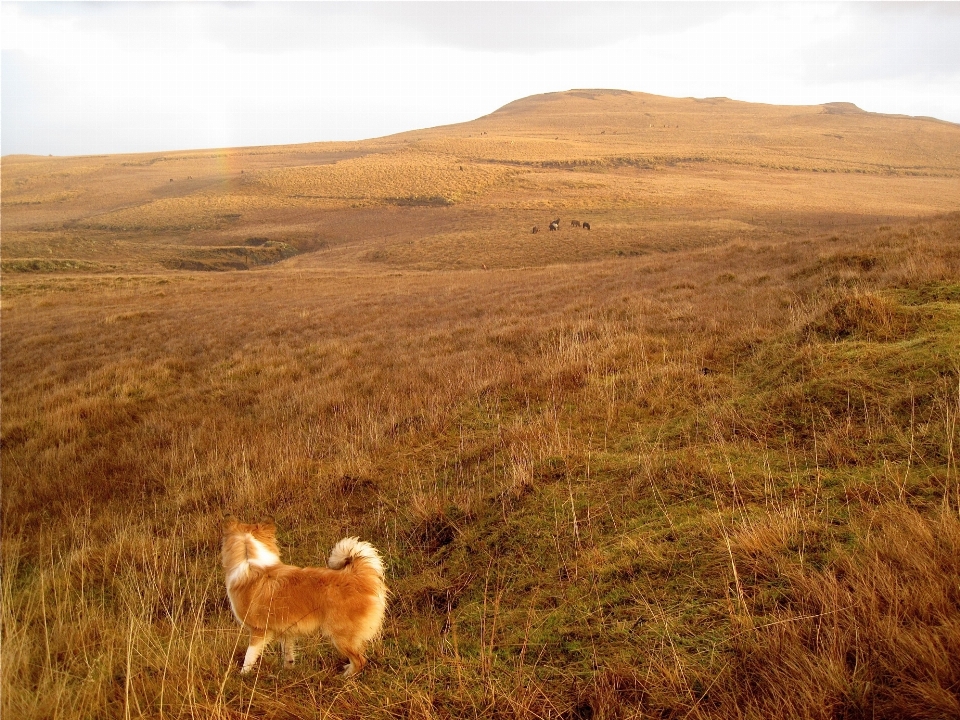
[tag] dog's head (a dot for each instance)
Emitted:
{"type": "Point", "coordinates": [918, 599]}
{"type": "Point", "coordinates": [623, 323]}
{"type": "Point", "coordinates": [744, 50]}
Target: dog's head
{"type": "Point", "coordinates": [253, 542]}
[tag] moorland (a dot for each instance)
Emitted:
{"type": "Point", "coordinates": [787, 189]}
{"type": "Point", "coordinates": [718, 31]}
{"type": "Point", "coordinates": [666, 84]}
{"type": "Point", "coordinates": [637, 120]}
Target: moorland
{"type": "Point", "coordinates": [698, 461]}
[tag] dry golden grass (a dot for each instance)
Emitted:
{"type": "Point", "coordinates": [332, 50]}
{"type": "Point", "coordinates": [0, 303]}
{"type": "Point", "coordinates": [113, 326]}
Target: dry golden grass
{"type": "Point", "coordinates": [700, 461]}
{"type": "Point", "coordinates": [407, 177]}
{"type": "Point", "coordinates": [602, 152]}
{"type": "Point", "coordinates": [833, 137]}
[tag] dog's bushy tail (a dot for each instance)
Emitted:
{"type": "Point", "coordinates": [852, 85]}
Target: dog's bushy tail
{"type": "Point", "coordinates": [354, 550]}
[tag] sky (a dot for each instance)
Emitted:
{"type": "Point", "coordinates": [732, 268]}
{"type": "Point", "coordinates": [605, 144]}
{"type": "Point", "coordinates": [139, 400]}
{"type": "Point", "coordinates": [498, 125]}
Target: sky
{"type": "Point", "coordinates": [79, 78]}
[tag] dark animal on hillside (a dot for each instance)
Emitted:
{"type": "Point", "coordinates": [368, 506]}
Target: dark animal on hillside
{"type": "Point", "coordinates": [555, 225]}
{"type": "Point", "coordinates": [586, 226]}
{"type": "Point", "coordinates": [535, 229]}
{"type": "Point", "coordinates": [575, 223]}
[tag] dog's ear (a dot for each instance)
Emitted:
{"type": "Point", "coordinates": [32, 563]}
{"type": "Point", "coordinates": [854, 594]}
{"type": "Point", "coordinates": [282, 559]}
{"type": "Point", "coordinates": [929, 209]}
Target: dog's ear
{"type": "Point", "coordinates": [269, 524]}
{"type": "Point", "coordinates": [229, 522]}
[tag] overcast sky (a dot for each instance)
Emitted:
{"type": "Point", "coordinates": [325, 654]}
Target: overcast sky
{"type": "Point", "coordinates": [85, 78]}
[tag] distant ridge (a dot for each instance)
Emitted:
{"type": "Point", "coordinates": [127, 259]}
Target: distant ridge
{"type": "Point", "coordinates": [586, 94]}
{"type": "Point", "coordinates": [577, 100]}
{"type": "Point", "coordinates": [841, 108]}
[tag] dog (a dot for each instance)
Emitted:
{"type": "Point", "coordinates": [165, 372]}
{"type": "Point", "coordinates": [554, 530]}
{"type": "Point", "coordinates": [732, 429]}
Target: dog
{"type": "Point", "coordinates": [345, 601]}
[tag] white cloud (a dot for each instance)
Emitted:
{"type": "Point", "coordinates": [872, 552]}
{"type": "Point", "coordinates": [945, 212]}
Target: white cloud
{"type": "Point", "coordinates": [874, 41]}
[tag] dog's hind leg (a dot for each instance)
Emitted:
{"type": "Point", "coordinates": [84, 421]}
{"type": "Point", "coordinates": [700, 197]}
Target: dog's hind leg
{"type": "Point", "coordinates": [357, 660]}
{"type": "Point", "coordinates": [289, 650]}
{"type": "Point", "coordinates": [258, 640]}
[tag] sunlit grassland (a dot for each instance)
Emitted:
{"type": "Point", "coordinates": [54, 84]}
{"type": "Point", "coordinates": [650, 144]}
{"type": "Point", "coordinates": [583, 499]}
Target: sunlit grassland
{"type": "Point", "coordinates": [408, 175]}
{"type": "Point", "coordinates": [884, 164]}
{"type": "Point", "coordinates": [699, 461]}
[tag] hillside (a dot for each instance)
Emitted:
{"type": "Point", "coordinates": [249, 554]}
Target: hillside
{"type": "Point", "coordinates": [649, 172]}
{"type": "Point", "coordinates": [698, 461]}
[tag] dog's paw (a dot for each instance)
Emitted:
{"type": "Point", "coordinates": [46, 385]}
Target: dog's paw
{"type": "Point", "coordinates": [245, 670]}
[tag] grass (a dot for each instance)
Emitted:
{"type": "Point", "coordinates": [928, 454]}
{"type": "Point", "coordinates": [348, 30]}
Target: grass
{"type": "Point", "coordinates": [405, 174]}
{"type": "Point", "coordinates": [43, 265]}
{"type": "Point", "coordinates": [714, 476]}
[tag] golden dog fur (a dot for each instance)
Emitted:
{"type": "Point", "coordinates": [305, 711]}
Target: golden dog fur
{"type": "Point", "coordinates": [345, 601]}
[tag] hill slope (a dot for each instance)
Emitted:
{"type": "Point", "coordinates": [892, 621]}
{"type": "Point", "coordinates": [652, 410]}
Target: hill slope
{"type": "Point", "coordinates": [699, 461]}
{"type": "Point", "coordinates": [649, 172]}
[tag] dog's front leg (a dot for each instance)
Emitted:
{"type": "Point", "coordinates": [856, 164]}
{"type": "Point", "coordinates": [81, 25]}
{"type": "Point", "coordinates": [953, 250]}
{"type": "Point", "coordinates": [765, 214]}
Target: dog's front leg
{"type": "Point", "coordinates": [258, 640]}
{"type": "Point", "coordinates": [289, 651]}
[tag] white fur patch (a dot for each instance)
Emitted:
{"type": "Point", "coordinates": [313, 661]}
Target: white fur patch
{"type": "Point", "coordinates": [354, 549]}
{"type": "Point", "coordinates": [237, 574]}
{"type": "Point", "coordinates": [262, 556]}
{"type": "Point", "coordinates": [258, 556]}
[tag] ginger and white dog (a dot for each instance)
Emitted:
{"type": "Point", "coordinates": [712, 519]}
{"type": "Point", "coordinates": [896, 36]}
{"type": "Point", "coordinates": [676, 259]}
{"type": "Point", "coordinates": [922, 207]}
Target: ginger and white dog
{"type": "Point", "coordinates": [345, 601]}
